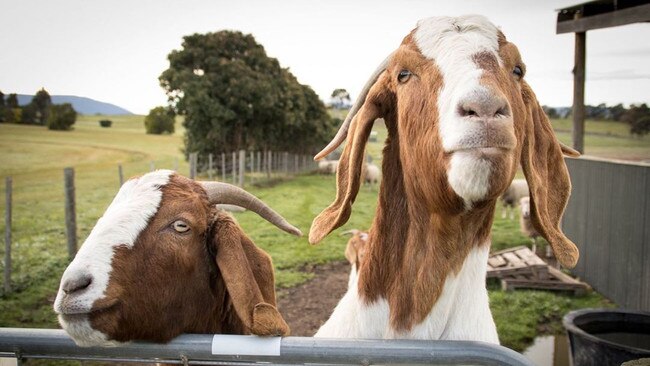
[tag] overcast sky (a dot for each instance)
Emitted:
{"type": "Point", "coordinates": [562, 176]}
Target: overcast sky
{"type": "Point", "coordinates": [114, 51]}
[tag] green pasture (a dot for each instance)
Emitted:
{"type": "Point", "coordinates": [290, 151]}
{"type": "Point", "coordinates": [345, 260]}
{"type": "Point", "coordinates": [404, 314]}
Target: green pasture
{"type": "Point", "coordinates": [35, 157]}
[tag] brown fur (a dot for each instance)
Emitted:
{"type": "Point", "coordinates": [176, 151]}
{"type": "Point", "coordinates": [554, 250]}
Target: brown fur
{"type": "Point", "coordinates": [421, 232]}
{"type": "Point", "coordinates": [212, 279]}
{"type": "Point", "coordinates": [355, 250]}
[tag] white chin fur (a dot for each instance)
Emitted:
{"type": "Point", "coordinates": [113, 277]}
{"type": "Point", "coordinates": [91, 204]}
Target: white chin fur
{"type": "Point", "coordinates": [84, 335]}
{"type": "Point", "coordinates": [469, 176]}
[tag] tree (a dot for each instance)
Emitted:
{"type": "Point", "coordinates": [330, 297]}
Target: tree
{"type": "Point", "coordinates": [2, 107]}
{"type": "Point", "coordinates": [61, 117]}
{"type": "Point", "coordinates": [41, 102]}
{"type": "Point", "coordinates": [637, 117]}
{"type": "Point", "coordinates": [233, 96]}
{"type": "Point", "coordinates": [340, 99]}
{"type": "Point", "coordinates": [12, 101]}
{"type": "Point", "coordinates": [159, 120]}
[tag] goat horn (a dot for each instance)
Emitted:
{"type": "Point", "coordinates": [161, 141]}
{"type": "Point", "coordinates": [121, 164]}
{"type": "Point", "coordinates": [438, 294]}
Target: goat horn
{"type": "Point", "coordinates": [350, 232]}
{"type": "Point", "coordinates": [342, 133]}
{"type": "Point", "coordinates": [225, 193]}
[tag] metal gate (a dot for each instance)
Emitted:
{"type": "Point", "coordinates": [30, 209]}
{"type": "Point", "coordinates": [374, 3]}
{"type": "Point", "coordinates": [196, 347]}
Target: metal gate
{"type": "Point", "coordinates": [203, 349]}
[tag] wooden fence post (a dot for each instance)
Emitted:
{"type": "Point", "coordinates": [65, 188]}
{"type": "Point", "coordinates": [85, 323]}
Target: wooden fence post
{"type": "Point", "coordinates": [259, 161]}
{"type": "Point", "coordinates": [175, 164]}
{"type": "Point", "coordinates": [269, 164]}
{"type": "Point", "coordinates": [192, 165]}
{"type": "Point", "coordinates": [296, 168]}
{"type": "Point", "coordinates": [223, 167]}
{"type": "Point", "coordinates": [70, 212]}
{"type": "Point", "coordinates": [121, 174]}
{"type": "Point", "coordinates": [152, 166]}
{"type": "Point", "coordinates": [7, 274]}
{"type": "Point", "coordinates": [242, 167]}
{"type": "Point", "coordinates": [210, 166]}
{"type": "Point", "coordinates": [234, 167]}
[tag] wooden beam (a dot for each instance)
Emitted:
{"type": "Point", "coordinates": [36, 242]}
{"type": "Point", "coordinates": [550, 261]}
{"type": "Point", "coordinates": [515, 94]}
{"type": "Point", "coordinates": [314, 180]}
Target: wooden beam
{"type": "Point", "coordinates": [578, 111]}
{"type": "Point", "coordinates": [636, 14]}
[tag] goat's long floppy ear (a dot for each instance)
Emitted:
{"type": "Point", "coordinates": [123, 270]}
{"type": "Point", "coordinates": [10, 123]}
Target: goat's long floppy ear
{"type": "Point", "coordinates": [348, 175]}
{"type": "Point", "coordinates": [548, 179]}
{"type": "Point", "coordinates": [248, 274]}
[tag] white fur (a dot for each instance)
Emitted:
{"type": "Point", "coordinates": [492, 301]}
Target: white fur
{"type": "Point", "coordinates": [451, 43]}
{"type": "Point", "coordinates": [469, 176]}
{"type": "Point", "coordinates": [461, 313]}
{"type": "Point", "coordinates": [129, 213]}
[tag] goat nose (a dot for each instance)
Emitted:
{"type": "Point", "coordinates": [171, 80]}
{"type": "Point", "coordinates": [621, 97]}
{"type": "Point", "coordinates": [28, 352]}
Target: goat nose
{"type": "Point", "coordinates": [483, 104]}
{"type": "Point", "coordinates": [77, 283]}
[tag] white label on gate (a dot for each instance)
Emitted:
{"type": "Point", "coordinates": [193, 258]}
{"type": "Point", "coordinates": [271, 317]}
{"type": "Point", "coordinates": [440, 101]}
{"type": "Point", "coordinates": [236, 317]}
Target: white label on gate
{"type": "Point", "coordinates": [226, 344]}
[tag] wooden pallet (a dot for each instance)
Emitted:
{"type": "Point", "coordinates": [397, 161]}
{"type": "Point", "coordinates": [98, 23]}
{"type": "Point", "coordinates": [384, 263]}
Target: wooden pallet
{"type": "Point", "coordinates": [521, 268]}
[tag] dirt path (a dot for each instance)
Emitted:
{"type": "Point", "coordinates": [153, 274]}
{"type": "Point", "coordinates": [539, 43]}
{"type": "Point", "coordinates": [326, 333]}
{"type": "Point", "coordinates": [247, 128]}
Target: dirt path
{"type": "Point", "coordinates": [307, 306]}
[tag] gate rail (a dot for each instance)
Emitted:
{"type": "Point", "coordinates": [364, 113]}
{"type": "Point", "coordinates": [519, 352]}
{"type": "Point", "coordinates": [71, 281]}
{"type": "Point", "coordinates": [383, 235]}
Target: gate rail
{"type": "Point", "coordinates": [197, 349]}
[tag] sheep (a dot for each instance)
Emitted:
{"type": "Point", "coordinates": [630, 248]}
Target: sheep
{"type": "Point", "coordinates": [355, 251]}
{"type": "Point", "coordinates": [164, 260]}
{"type": "Point", "coordinates": [460, 118]}
{"type": "Point", "coordinates": [372, 174]}
{"type": "Point", "coordinates": [517, 189]}
{"type": "Point", "coordinates": [526, 225]}
{"type": "Point", "coordinates": [327, 166]}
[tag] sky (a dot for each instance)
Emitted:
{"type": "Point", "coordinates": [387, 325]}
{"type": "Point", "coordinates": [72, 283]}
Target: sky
{"type": "Point", "coordinates": [114, 51]}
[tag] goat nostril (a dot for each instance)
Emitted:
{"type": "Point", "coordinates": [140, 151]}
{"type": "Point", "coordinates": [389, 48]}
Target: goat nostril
{"type": "Point", "coordinates": [77, 284]}
{"type": "Point", "coordinates": [502, 112]}
{"type": "Point", "coordinates": [465, 111]}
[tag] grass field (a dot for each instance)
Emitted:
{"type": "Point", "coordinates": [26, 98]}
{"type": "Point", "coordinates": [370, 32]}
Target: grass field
{"type": "Point", "coordinates": [35, 157]}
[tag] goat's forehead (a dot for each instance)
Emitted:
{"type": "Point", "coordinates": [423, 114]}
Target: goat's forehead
{"type": "Point", "coordinates": [446, 39]}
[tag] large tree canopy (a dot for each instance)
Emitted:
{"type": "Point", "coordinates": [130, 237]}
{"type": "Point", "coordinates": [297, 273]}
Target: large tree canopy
{"type": "Point", "coordinates": [234, 96]}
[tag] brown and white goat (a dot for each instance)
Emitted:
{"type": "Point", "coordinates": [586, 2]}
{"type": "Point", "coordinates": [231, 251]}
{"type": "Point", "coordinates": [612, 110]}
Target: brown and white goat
{"type": "Point", "coordinates": [460, 117]}
{"type": "Point", "coordinates": [355, 251]}
{"type": "Point", "coordinates": [164, 260]}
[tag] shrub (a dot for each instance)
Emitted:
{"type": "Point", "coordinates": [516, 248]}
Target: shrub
{"type": "Point", "coordinates": [641, 126]}
{"type": "Point", "coordinates": [61, 117]}
{"type": "Point", "coordinates": [159, 120]}
{"type": "Point", "coordinates": [105, 123]}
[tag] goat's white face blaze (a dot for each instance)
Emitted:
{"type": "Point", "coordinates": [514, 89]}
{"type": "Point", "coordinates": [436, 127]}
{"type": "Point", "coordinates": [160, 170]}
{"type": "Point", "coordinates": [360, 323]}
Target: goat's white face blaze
{"type": "Point", "coordinates": [453, 44]}
{"type": "Point", "coordinates": [135, 204]}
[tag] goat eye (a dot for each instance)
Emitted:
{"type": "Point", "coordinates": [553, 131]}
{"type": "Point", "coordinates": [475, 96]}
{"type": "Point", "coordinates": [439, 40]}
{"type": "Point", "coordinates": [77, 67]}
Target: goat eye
{"type": "Point", "coordinates": [403, 76]}
{"type": "Point", "coordinates": [518, 71]}
{"type": "Point", "coordinates": [180, 226]}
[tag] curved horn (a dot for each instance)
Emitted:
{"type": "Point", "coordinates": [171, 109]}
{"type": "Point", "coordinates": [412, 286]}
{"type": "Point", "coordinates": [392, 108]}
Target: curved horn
{"type": "Point", "coordinates": [342, 133]}
{"type": "Point", "coordinates": [225, 193]}
{"type": "Point", "coordinates": [350, 232]}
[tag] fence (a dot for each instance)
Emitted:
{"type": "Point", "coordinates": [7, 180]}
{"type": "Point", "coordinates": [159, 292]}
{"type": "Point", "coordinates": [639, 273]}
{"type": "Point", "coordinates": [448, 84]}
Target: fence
{"type": "Point", "coordinates": [202, 349]}
{"type": "Point", "coordinates": [608, 217]}
{"type": "Point", "coordinates": [240, 168]}
{"type": "Point", "coordinates": [243, 166]}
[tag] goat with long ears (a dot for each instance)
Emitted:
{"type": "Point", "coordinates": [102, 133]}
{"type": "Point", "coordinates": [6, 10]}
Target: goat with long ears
{"type": "Point", "coordinates": [165, 260]}
{"type": "Point", "coordinates": [460, 117]}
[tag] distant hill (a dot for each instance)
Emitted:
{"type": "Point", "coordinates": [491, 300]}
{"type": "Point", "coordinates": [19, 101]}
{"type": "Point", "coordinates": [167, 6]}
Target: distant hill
{"type": "Point", "coordinates": [82, 105]}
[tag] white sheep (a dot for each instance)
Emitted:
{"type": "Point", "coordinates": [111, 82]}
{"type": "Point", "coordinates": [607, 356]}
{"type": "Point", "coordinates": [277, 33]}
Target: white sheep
{"type": "Point", "coordinates": [164, 260]}
{"type": "Point", "coordinates": [526, 225]}
{"type": "Point", "coordinates": [510, 198]}
{"type": "Point", "coordinates": [372, 174]}
{"type": "Point", "coordinates": [460, 119]}
{"type": "Point", "coordinates": [328, 166]}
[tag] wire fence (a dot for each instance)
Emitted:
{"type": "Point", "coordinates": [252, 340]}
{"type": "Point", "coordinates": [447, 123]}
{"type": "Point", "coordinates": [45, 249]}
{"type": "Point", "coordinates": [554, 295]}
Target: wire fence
{"type": "Point", "coordinates": [240, 168]}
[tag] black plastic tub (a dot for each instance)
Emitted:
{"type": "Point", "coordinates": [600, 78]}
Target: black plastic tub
{"type": "Point", "coordinates": [607, 336]}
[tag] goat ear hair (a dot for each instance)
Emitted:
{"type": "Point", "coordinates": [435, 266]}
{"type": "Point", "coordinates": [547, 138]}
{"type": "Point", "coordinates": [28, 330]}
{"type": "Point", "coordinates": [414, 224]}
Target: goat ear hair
{"type": "Point", "coordinates": [548, 179]}
{"type": "Point", "coordinates": [248, 274]}
{"type": "Point", "coordinates": [348, 175]}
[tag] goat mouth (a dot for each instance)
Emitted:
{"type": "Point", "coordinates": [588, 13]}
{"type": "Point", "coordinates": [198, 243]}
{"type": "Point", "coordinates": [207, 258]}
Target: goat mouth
{"type": "Point", "coordinates": [77, 315]}
{"type": "Point", "coordinates": [483, 150]}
